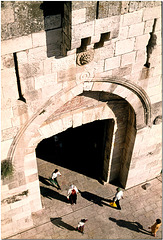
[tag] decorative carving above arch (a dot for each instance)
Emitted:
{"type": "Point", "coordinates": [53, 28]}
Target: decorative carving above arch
{"type": "Point", "coordinates": [84, 57]}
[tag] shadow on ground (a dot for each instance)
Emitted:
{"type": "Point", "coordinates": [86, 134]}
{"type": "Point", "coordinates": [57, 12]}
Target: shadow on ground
{"type": "Point", "coordinates": [59, 223]}
{"type": "Point", "coordinates": [94, 198]}
{"type": "Point", "coordinates": [51, 194]}
{"type": "Point", "coordinates": [133, 226]}
{"type": "Point", "coordinates": [46, 181]}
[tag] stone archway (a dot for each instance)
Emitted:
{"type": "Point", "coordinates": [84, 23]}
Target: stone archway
{"type": "Point", "coordinates": [22, 151]}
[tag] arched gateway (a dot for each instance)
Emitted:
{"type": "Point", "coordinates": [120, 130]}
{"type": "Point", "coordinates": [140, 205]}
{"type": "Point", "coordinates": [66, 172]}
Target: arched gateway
{"type": "Point", "coordinates": [55, 117]}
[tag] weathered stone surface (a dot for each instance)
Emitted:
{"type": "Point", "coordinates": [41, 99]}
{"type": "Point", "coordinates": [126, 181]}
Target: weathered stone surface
{"type": "Point", "coordinates": [78, 16]}
{"type": "Point", "coordinates": [148, 14]}
{"type": "Point", "coordinates": [8, 61]}
{"type": "Point", "coordinates": [132, 18]}
{"type": "Point", "coordinates": [136, 30]}
{"type": "Point", "coordinates": [112, 63]}
{"type": "Point", "coordinates": [16, 45]}
{"type": "Point", "coordinates": [128, 58]}
{"type": "Point", "coordinates": [124, 46]}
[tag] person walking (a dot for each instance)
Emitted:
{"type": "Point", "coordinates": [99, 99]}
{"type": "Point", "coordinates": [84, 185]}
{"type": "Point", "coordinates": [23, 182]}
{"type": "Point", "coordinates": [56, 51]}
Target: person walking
{"type": "Point", "coordinates": [118, 196]}
{"type": "Point", "coordinates": [154, 228]}
{"type": "Point", "coordinates": [53, 178]}
{"type": "Point", "coordinates": [81, 225]}
{"type": "Point", "coordinates": [72, 194]}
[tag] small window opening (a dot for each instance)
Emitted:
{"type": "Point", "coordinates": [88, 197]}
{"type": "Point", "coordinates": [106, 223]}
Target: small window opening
{"type": "Point", "coordinates": [84, 43]}
{"type": "Point", "coordinates": [97, 9]}
{"type": "Point", "coordinates": [151, 44]}
{"type": "Point", "coordinates": [104, 37]}
{"type": "Point", "coordinates": [18, 79]}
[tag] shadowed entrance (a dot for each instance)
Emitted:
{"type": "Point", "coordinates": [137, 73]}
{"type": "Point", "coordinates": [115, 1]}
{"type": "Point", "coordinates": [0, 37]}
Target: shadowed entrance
{"type": "Point", "coordinates": [79, 149]}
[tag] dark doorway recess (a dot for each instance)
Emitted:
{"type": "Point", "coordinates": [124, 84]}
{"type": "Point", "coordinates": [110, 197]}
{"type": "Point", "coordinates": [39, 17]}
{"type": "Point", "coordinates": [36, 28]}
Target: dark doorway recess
{"type": "Point", "coordinates": [79, 149]}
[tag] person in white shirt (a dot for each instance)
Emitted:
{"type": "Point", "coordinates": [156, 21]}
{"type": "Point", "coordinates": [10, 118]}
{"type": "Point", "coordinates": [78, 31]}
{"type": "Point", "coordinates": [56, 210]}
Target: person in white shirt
{"type": "Point", "coordinates": [118, 196]}
{"type": "Point", "coordinates": [53, 178]}
{"type": "Point", "coordinates": [81, 225]}
{"type": "Point", "coordinates": [72, 194]}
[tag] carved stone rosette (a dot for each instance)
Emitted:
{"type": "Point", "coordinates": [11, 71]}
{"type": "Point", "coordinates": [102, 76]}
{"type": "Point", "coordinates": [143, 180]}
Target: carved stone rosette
{"type": "Point", "coordinates": [84, 57]}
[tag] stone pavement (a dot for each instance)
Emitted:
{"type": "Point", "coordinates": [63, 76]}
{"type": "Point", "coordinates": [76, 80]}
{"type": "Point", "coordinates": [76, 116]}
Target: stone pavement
{"type": "Point", "coordinates": [58, 219]}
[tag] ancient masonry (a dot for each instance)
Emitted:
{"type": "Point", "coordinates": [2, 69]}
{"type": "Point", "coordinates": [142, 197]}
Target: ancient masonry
{"type": "Point", "coordinates": [70, 64]}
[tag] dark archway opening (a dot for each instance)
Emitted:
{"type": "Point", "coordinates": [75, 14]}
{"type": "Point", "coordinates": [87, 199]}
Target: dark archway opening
{"type": "Point", "coordinates": [80, 149]}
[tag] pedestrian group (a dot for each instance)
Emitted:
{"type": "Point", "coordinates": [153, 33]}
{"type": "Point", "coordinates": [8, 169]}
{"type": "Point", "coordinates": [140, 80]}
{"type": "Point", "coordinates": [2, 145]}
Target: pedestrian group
{"type": "Point", "coordinates": [72, 198]}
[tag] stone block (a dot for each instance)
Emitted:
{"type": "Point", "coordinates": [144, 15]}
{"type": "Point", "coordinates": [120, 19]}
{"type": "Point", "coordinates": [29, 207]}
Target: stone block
{"type": "Point", "coordinates": [109, 25]}
{"type": "Point", "coordinates": [52, 21]}
{"type": "Point", "coordinates": [75, 43]}
{"type": "Point", "coordinates": [47, 66]}
{"type": "Point", "coordinates": [67, 75]}
{"type": "Point", "coordinates": [51, 89]}
{"type": "Point", "coordinates": [123, 33]}
{"type": "Point", "coordinates": [22, 57]}
{"type": "Point", "coordinates": [123, 71]}
{"type": "Point", "coordinates": [157, 51]}
{"type": "Point", "coordinates": [148, 26]}
{"type": "Point", "coordinates": [66, 97]}
{"type": "Point", "coordinates": [29, 172]}
{"type": "Point", "coordinates": [141, 42]}
{"type": "Point", "coordinates": [88, 116]}
{"type": "Point", "coordinates": [24, 223]}
{"type": "Point", "coordinates": [159, 38]}
{"type": "Point", "coordinates": [30, 70]}
{"type": "Point", "coordinates": [105, 52]}
{"type": "Point", "coordinates": [36, 204]}
{"type": "Point", "coordinates": [78, 16]}
{"type": "Point", "coordinates": [67, 122]}
{"type": "Point", "coordinates": [77, 119]}
{"type": "Point", "coordinates": [88, 86]}
{"type": "Point", "coordinates": [155, 90]}
{"type": "Point", "coordinates": [132, 18]}
{"type": "Point", "coordinates": [9, 133]}
{"type": "Point", "coordinates": [57, 127]}
{"type": "Point", "coordinates": [7, 16]}
{"type": "Point", "coordinates": [45, 131]}
{"type": "Point", "coordinates": [63, 63]}
{"type": "Point", "coordinates": [39, 39]}
{"type": "Point", "coordinates": [16, 44]}
{"type": "Point", "coordinates": [149, 13]}
{"type": "Point", "coordinates": [136, 30]}
{"type": "Point", "coordinates": [7, 116]}
{"type": "Point", "coordinates": [124, 46]}
{"type": "Point", "coordinates": [77, 90]}
{"type": "Point", "coordinates": [137, 69]}
{"type": "Point", "coordinates": [157, 70]}
{"type": "Point", "coordinates": [78, 33]}
{"type": "Point", "coordinates": [95, 39]}
{"type": "Point", "coordinates": [128, 58]}
{"type": "Point", "coordinates": [28, 160]}
{"type": "Point", "coordinates": [106, 113]}
{"type": "Point", "coordinates": [141, 56]}
{"type": "Point", "coordinates": [8, 61]}
{"type": "Point", "coordinates": [158, 26]}
{"type": "Point", "coordinates": [112, 63]}
{"type": "Point", "coordinates": [42, 81]}
{"type": "Point", "coordinates": [155, 61]}
{"type": "Point", "coordinates": [37, 54]}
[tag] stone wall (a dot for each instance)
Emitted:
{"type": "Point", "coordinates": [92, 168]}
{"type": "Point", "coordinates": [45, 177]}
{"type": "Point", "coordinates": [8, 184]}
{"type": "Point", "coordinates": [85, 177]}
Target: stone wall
{"type": "Point", "coordinates": [46, 64]}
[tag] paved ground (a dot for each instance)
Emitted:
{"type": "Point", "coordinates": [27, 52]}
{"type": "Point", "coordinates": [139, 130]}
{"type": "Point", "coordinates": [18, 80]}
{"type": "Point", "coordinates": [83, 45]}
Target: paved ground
{"type": "Point", "coordinates": [58, 219]}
